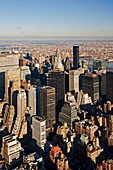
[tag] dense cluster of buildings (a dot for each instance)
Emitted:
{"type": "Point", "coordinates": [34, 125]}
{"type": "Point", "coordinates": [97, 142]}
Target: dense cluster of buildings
{"type": "Point", "coordinates": [55, 113]}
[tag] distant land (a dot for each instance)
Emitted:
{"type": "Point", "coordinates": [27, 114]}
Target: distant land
{"type": "Point", "coordinates": [2, 38]}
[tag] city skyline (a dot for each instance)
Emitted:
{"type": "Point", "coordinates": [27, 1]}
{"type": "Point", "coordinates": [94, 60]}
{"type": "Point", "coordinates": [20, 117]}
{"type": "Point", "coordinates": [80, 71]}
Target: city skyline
{"type": "Point", "coordinates": [75, 18]}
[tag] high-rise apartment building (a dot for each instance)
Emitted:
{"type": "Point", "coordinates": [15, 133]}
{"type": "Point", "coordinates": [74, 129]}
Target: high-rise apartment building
{"type": "Point", "coordinates": [56, 79]}
{"type": "Point", "coordinates": [34, 100]}
{"type": "Point", "coordinates": [90, 85]}
{"type": "Point", "coordinates": [75, 57]}
{"type": "Point", "coordinates": [39, 130]}
{"type": "Point", "coordinates": [48, 105]}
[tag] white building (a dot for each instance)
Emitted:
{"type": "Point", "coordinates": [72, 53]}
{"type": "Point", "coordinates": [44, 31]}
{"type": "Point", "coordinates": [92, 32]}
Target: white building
{"type": "Point", "coordinates": [34, 100]}
{"type": "Point", "coordinates": [58, 64]}
{"type": "Point", "coordinates": [21, 103]}
{"type": "Point", "coordinates": [39, 130]}
{"type": "Point", "coordinates": [20, 126]}
{"type": "Point", "coordinates": [73, 81]}
{"type": "Point", "coordinates": [25, 73]}
{"type": "Point", "coordinates": [11, 148]}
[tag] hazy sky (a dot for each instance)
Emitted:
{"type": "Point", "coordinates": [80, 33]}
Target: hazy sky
{"type": "Point", "coordinates": [56, 18]}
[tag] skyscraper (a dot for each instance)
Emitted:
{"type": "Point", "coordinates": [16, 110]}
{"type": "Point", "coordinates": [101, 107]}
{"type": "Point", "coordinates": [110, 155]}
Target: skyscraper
{"type": "Point", "coordinates": [58, 64]}
{"type": "Point", "coordinates": [39, 130]}
{"type": "Point", "coordinates": [73, 81]}
{"type": "Point", "coordinates": [109, 86]}
{"type": "Point", "coordinates": [34, 100]}
{"type": "Point", "coordinates": [68, 112]}
{"type": "Point", "coordinates": [48, 105]}
{"type": "Point", "coordinates": [102, 86]}
{"type": "Point", "coordinates": [90, 85]}
{"type": "Point", "coordinates": [21, 103]}
{"type": "Point", "coordinates": [56, 79]}
{"type": "Point", "coordinates": [20, 125]}
{"type": "Point", "coordinates": [76, 57]}
{"type": "Point", "coordinates": [12, 83]}
{"type": "Point", "coordinates": [9, 61]}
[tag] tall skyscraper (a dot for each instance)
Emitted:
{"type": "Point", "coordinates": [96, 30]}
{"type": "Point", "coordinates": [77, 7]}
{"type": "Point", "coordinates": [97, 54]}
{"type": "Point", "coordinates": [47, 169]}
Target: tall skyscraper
{"type": "Point", "coordinates": [76, 57]}
{"type": "Point", "coordinates": [109, 86]}
{"type": "Point", "coordinates": [48, 105]}
{"type": "Point", "coordinates": [2, 85]}
{"type": "Point", "coordinates": [58, 64]}
{"type": "Point", "coordinates": [12, 83]}
{"type": "Point", "coordinates": [90, 85]}
{"type": "Point", "coordinates": [20, 125]}
{"type": "Point", "coordinates": [34, 100]}
{"type": "Point", "coordinates": [68, 112]}
{"type": "Point", "coordinates": [39, 130]}
{"type": "Point", "coordinates": [73, 81]}
{"type": "Point", "coordinates": [21, 103]}
{"type": "Point", "coordinates": [56, 79]}
{"type": "Point", "coordinates": [102, 85]}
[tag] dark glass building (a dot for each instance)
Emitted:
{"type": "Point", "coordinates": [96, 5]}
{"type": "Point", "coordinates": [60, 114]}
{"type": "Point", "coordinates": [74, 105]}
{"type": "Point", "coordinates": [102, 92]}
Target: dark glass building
{"type": "Point", "coordinates": [48, 105]}
{"type": "Point", "coordinates": [56, 79]}
{"type": "Point", "coordinates": [90, 85]}
{"type": "Point", "coordinates": [109, 86]}
{"type": "Point", "coordinates": [75, 57]}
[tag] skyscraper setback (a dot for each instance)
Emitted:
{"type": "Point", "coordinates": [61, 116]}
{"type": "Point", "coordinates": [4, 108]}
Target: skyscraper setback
{"type": "Point", "coordinates": [75, 57]}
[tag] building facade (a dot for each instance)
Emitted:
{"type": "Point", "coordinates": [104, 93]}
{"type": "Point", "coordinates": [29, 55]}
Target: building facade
{"type": "Point", "coordinates": [75, 57]}
{"type": "Point", "coordinates": [56, 79]}
{"type": "Point", "coordinates": [109, 86]}
{"type": "Point", "coordinates": [39, 130]}
{"type": "Point", "coordinates": [90, 85]}
{"type": "Point", "coordinates": [11, 148]}
{"type": "Point", "coordinates": [48, 105]}
{"type": "Point", "coordinates": [34, 100]}
{"type": "Point", "coordinates": [73, 81]}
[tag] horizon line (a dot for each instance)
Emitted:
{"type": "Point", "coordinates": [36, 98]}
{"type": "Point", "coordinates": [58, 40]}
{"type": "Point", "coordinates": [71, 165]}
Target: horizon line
{"type": "Point", "coordinates": [56, 37]}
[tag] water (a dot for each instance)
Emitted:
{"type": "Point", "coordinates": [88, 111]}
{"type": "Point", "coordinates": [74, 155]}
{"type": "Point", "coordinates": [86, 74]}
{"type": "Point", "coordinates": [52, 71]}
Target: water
{"type": "Point", "coordinates": [109, 66]}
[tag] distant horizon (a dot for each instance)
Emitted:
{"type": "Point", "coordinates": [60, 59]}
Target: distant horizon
{"type": "Point", "coordinates": [36, 38]}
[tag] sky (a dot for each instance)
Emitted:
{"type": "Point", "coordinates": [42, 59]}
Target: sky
{"type": "Point", "coordinates": [33, 18]}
